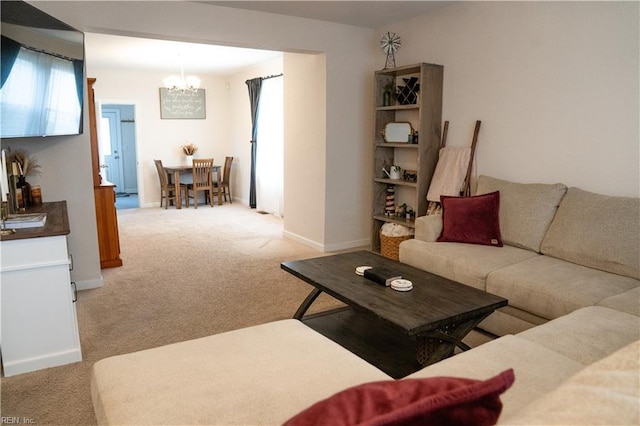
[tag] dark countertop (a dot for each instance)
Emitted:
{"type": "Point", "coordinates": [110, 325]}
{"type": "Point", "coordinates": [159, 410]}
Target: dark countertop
{"type": "Point", "coordinates": [57, 222]}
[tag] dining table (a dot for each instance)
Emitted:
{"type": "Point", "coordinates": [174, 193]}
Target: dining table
{"type": "Point", "coordinates": [177, 170]}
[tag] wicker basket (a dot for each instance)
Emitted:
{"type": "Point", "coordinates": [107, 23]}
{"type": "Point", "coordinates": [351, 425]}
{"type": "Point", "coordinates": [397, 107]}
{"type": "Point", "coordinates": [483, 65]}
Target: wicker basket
{"type": "Point", "coordinates": [390, 246]}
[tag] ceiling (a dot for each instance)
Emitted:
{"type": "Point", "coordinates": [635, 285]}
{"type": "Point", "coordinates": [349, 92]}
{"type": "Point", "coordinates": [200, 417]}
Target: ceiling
{"type": "Point", "coordinates": [134, 53]}
{"type": "Point", "coordinates": [119, 52]}
{"type": "Point", "coordinates": [368, 14]}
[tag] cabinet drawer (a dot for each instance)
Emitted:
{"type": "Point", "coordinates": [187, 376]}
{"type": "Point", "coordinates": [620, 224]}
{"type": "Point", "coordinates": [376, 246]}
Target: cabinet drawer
{"type": "Point", "coordinates": [34, 253]}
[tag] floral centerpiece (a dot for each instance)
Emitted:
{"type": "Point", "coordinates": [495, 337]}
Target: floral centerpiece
{"type": "Point", "coordinates": [27, 163]}
{"type": "Point", "coordinates": [189, 149]}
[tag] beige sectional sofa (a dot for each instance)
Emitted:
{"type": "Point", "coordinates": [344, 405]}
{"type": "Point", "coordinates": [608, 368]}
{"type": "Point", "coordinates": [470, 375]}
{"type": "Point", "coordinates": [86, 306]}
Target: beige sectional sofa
{"type": "Point", "coordinates": [571, 334]}
{"type": "Point", "coordinates": [579, 369]}
{"type": "Point", "coordinates": [564, 249]}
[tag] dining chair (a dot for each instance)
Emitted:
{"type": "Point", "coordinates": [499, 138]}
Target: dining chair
{"type": "Point", "coordinates": [167, 190]}
{"type": "Point", "coordinates": [202, 180]}
{"type": "Point", "coordinates": [225, 186]}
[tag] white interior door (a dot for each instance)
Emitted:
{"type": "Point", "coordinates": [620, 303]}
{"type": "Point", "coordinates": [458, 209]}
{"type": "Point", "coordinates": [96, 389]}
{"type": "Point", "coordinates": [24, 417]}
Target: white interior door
{"type": "Point", "coordinates": [112, 147]}
{"type": "Point", "coordinates": [120, 154]}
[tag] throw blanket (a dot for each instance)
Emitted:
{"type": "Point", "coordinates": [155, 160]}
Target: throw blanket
{"type": "Point", "coordinates": [450, 172]}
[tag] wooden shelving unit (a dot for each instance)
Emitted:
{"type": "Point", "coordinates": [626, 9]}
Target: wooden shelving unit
{"type": "Point", "coordinates": [425, 117]}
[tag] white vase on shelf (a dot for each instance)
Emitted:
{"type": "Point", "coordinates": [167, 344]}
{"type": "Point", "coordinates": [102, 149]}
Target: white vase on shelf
{"type": "Point", "coordinates": [189, 160]}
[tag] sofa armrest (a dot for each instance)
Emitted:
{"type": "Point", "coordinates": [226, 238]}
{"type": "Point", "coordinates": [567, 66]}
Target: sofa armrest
{"type": "Point", "coordinates": [428, 228]}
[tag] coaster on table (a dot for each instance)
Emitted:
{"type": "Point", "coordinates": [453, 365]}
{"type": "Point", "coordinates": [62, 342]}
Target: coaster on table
{"type": "Point", "coordinates": [401, 285]}
{"type": "Point", "coordinates": [360, 270]}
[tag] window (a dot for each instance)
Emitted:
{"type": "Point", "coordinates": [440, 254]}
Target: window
{"type": "Point", "coordinates": [40, 96]}
{"type": "Point", "coordinates": [270, 163]}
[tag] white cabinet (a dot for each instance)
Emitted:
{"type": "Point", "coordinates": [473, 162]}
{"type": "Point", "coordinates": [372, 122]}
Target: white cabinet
{"type": "Point", "coordinates": [39, 325]}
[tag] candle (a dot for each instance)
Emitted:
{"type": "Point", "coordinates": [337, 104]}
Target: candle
{"type": "Point", "coordinates": [3, 179]}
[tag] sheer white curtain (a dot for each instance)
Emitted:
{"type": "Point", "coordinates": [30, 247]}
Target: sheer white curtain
{"type": "Point", "coordinates": [270, 164]}
{"type": "Point", "coordinates": [40, 79]}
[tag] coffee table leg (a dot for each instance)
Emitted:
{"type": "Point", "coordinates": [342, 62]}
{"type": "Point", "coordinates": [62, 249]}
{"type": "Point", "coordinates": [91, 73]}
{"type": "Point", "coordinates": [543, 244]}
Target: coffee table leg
{"type": "Point", "coordinates": [438, 344]}
{"type": "Point", "coordinates": [306, 303]}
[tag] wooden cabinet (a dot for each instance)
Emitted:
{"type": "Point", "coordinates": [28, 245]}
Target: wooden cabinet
{"type": "Point", "coordinates": [423, 110]}
{"type": "Point", "coordinates": [39, 324]}
{"type": "Point", "coordinates": [105, 198]}
{"type": "Point", "coordinates": [107, 222]}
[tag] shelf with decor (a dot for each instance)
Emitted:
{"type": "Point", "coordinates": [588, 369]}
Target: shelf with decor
{"type": "Point", "coordinates": [414, 110]}
{"type": "Point", "coordinates": [398, 107]}
{"type": "Point", "coordinates": [396, 145]}
{"type": "Point", "coordinates": [397, 219]}
{"type": "Point", "coordinates": [396, 182]}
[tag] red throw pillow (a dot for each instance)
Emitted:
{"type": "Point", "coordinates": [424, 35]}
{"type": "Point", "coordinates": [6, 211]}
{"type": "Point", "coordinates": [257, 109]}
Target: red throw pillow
{"type": "Point", "coordinates": [449, 401]}
{"type": "Point", "coordinates": [473, 220]}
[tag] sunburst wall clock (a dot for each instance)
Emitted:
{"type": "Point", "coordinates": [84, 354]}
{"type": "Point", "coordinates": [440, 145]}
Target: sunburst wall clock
{"type": "Point", "coordinates": [390, 43]}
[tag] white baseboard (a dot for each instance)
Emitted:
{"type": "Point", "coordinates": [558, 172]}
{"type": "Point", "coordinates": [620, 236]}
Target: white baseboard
{"type": "Point", "coordinates": [27, 365]}
{"type": "Point", "coordinates": [157, 203]}
{"type": "Point", "coordinates": [346, 245]}
{"type": "Point", "coordinates": [89, 284]}
{"type": "Point", "coordinates": [302, 240]}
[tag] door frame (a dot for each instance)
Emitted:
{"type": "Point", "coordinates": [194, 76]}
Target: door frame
{"type": "Point", "coordinates": [139, 176]}
{"type": "Point", "coordinates": [113, 115]}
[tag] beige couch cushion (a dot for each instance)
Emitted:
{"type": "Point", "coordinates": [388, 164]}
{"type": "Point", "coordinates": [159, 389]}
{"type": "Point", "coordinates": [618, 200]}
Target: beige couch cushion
{"type": "Point", "coordinates": [428, 228]}
{"type": "Point", "coordinates": [597, 231]}
{"type": "Point", "coordinates": [588, 334]}
{"type": "Point", "coordinates": [550, 287]}
{"type": "Point", "coordinates": [464, 263]}
{"type": "Point", "coordinates": [604, 393]}
{"type": "Point", "coordinates": [538, 370]}
{"type": "Point", "coordinates": [526, 209]}
{"type": "Point", "coordinates": [510, 320]}
{"type": "Point", "coordinates": [258, 375]}
{"type": "Point", "coordinates": [628, 302]}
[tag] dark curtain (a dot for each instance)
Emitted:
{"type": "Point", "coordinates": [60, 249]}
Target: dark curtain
{"type": "Point", "coordinates": [9, 53]}
{"type": "Point", "coordinates": [78, 70]}
{"type": "Point", "coordinates": [255, 86]}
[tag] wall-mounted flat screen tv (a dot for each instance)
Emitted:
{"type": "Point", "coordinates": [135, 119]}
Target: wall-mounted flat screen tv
{"type": "Point", "coordinates": [42, 67]}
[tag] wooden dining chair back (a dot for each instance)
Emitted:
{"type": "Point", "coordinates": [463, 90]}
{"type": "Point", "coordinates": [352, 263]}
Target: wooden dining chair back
{"type": "Point", "coordinates": [202, 180]}
{"type": "Point", "coordinates": [225, 186]}
{"type": "Point", "coordinates": [167, 190]}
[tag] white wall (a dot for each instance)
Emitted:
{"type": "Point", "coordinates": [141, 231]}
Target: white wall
{"type": "Point", "coordinates": [554, 83]}
{"type": "Point", "coordinates": [305, 152]}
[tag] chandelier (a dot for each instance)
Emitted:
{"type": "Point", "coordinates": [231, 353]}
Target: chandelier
{"type": "Point", "coordinates": [181, 84]}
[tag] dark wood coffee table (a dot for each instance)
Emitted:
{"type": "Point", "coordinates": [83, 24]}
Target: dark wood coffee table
{"type": "Point", "coordinates": [400, 332]}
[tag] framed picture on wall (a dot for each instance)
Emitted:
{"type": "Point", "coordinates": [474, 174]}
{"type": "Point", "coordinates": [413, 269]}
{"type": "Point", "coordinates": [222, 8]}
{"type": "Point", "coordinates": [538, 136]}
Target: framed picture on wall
{"type": "Point", "coordinates": [182, 105]}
